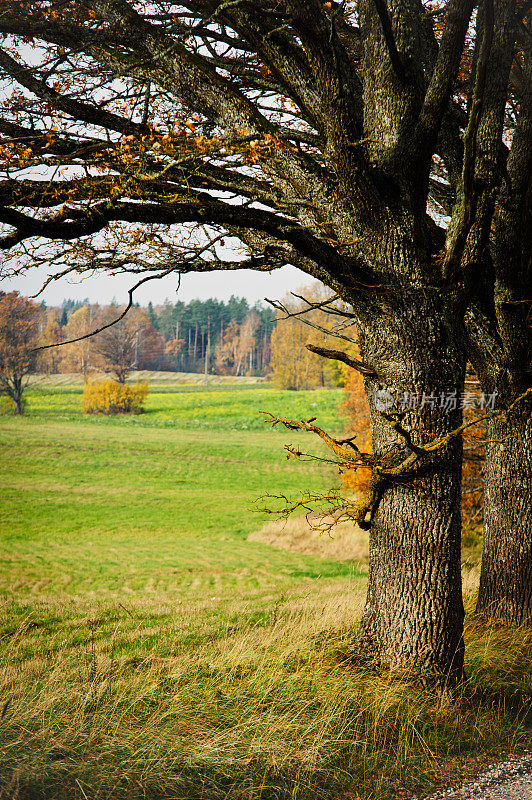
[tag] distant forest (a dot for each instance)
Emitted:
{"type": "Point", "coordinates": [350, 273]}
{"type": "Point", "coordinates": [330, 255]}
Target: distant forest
{"type": "Point", "coordinates": [231, 338]}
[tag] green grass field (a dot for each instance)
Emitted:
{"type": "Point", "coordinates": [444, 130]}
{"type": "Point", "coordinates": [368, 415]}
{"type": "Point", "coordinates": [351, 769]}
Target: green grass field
{"type": "Point", "coordinates": [150, 650]}
{"type": "Point", "coordinates": [106, 505]}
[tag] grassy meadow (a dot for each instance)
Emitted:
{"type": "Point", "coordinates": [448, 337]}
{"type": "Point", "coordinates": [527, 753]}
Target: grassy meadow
{"type": "Point", "coordinates": [160, 639]}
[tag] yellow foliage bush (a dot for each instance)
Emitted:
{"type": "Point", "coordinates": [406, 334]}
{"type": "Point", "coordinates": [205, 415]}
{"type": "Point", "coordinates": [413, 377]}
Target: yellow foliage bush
{"type": "Point", "coordinates": [111, 397]}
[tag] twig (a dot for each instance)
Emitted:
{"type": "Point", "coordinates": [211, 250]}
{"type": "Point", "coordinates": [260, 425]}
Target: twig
{"type": "Point", "coordinates": [280, 307]}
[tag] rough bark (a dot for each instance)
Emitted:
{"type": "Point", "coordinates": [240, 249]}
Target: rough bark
{"type": "Point", "coordinates": [413, 617]}
{"type": "Point", "coordinates": [17, 402]}
{"type": "Point", "coordinates": [506, 577]}
{"type": "Point", "coordinates": [499, 330]}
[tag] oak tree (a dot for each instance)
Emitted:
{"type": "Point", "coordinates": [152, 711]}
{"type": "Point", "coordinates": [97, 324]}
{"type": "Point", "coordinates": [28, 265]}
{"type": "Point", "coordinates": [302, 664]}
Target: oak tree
{"type": "Point", "coordinates": [336, 137]}
{"type": "Point", "coordinates": [499, 318]}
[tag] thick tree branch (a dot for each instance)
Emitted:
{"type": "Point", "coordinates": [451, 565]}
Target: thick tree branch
{"type": "Point", "coordinates": [395, 58]}
{"type": "Point", "coordinates": [193, 78]}
{"type": "Point", "coordinates": [281, 53]}
{"type": "Point", "coordinates": [340, 93]}
{"type": "Point", "coordinates": [210, 213]}
{"type": "Point", "coordinates": [41, 142]}
{"type": "Point", "coordinates": [80, 111]}
{"type": "Point", "coordinates": [339, 355]}
{"type": "Point", "coordinates": [469, 191]}
{"type": "Point", "coordinates": [443, 76]}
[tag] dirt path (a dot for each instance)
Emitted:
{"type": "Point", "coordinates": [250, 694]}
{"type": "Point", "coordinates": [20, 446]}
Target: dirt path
{"type": "Point", "coordinates": [508, 780]}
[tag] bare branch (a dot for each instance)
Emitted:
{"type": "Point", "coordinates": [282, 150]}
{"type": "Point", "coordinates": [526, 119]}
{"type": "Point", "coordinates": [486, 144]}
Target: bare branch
{"type": "Point", "coordinates": [210, 212]}
{"type": "Point", "coordinates": [192, 77]}
{"type": "Point", "coordinates": [81, 111]}
{"type": "Point", "coordinates": [279, 306]}
{"type": "Point", "coordinates": [353, 456]}
{"type": "Point", "coordinates": [391, 467]}
{"type": "Point", "coordinates": [324, 305]}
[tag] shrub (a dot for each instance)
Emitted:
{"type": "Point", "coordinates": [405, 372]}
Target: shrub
{"type": "Point", "coordinates": [110, 397]}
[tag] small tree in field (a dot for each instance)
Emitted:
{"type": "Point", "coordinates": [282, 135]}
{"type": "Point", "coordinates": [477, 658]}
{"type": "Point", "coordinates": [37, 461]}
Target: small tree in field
{"type": "Point", "coordinates": [119, 345]}
{"type": "Point", "coordinates": [80, 355]}
{"type": "Point", "coordinates": [18, 331]}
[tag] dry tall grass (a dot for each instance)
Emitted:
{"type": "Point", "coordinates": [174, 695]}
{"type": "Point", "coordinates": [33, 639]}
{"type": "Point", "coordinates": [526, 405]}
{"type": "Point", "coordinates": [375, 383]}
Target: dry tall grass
{"type": "Point", "coordinates": [345, 542]}
{"type": "Point", "coordinates": [241, 705]}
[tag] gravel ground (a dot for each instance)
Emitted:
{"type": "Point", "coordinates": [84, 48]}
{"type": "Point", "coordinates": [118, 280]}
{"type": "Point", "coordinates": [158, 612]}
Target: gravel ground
{"type": "Point", "coordinates": [508, 780]}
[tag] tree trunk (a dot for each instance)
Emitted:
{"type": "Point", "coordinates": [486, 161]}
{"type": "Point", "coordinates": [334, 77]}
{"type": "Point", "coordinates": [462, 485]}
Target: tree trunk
{"type": "Point", "coordinates": [16, 394]}
{"type": "Point", "coordinates": [207, 356]}
{"type": "Point", "coordinates": [413, 617]}
{"type": "Point", "coordinates": [506, 575]}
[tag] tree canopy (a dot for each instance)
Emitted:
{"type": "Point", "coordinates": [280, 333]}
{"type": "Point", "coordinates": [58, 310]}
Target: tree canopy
{"type": "Point", "coordinates": [138, 135]}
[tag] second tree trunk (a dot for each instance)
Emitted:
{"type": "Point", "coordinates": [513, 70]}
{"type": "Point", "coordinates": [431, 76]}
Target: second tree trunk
{"type": "Point", "coordinates": [506, 576]}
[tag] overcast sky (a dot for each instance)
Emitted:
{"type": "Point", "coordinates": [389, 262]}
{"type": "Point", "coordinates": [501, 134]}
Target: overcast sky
{"type": "Point", "coordinates": [221, 285]}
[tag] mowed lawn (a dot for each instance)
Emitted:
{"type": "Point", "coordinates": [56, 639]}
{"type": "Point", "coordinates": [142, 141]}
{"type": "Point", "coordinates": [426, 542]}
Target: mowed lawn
{"type": "Point", "coordinates": [96, 506]}
{"type": "Point", "coordinates": [151, 650]}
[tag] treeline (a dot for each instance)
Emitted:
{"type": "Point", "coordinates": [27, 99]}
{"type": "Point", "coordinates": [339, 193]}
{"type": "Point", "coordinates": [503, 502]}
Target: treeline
{"type": "Point", "coordinates": [206, 336]}
{"type": "Point", "coordinates": [213, 336]}
{"type": "Point", "coordinates": [234, 337]}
